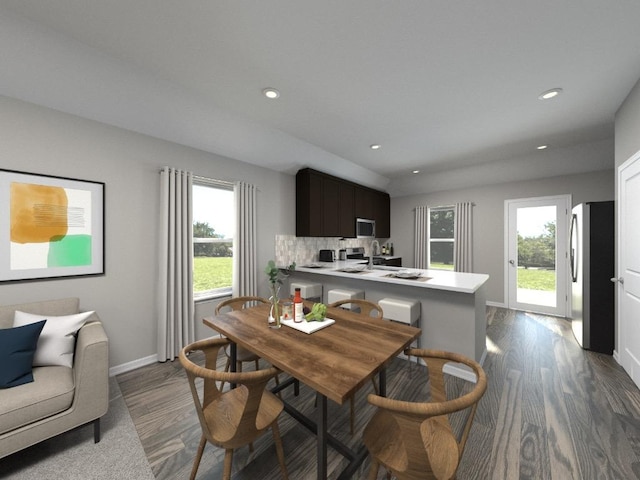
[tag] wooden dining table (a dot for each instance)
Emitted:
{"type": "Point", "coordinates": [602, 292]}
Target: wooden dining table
{"type": "Point", "coordinates": [335, 361]}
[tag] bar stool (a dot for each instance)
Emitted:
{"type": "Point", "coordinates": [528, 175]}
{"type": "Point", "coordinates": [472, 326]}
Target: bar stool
{"type": "Point", "coordinates": [308, 290]}
{"type": "Point", "coordinates": [337, 294]}
{"type": "Point", "coordinates": [402, 310]}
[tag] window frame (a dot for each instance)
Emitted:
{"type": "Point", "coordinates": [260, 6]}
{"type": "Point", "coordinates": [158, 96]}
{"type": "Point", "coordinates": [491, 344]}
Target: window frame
{"type": "Point", "coordinates": [451, 240]}
{"type": "Point", "coordinates": [220, 291]}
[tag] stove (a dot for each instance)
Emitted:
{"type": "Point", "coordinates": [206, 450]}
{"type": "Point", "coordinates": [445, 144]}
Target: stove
{"type": "Point", "coordinates": [355, 253]}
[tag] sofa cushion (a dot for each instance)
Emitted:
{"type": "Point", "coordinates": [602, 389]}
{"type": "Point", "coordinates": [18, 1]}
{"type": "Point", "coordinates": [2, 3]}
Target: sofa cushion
{"type": "Point", "coordinates": [50, 392]}
{"type": "Point", "coordinates": [63, 306]}
{"type": "Point", "coordinates": [17, 348]}
{"type": "Point", "coordinates": [57, 340]}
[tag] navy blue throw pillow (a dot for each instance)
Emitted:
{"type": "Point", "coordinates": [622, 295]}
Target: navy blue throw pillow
{"type": "Point", "coordinates": [17, 348]}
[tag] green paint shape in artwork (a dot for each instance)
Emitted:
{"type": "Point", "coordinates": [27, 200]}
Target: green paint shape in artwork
{"type": "Point", "coordinates": [70, 251]}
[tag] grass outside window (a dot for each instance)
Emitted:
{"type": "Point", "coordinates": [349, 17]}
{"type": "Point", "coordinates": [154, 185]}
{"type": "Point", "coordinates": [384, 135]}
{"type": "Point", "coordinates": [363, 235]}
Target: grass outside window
{"type": "Point", "coordinates": [210, 273]}
{"type": "Point", "coordinates": [537, 279]}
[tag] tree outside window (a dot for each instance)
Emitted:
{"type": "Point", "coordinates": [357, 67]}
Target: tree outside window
{"type": "Point", "coordinates": [441, 237]}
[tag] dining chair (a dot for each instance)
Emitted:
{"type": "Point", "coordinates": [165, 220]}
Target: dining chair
{"type": "Point", "coordinates": [234, 418]}
{"type": "Point", "coordinates": [367, 309]}
{"type": "Point", "coordinates": [414, 440]}
{"type": "Point", "coordinates": [242, 354]}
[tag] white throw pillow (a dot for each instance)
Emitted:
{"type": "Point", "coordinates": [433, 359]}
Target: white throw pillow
{"type": "Point", "coordinates": [57, 340]}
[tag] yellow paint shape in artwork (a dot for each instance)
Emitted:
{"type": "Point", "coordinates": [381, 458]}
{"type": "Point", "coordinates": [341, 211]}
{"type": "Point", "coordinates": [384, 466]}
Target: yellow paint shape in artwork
{"type": "Point", "coordinates": [38, 213]}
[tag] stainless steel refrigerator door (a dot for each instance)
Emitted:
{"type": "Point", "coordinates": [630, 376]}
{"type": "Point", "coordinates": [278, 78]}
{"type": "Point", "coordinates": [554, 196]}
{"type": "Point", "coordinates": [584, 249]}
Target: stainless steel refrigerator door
{"type": "Point", "coordinates": [578, 304]}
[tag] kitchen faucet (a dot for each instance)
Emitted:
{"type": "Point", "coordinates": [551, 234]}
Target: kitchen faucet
{"type": "Point", "coordinates": [375, 242]}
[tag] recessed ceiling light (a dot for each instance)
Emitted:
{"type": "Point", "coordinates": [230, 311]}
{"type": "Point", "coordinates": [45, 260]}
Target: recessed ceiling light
{"type": "Point", "coordinates": [554, 92]}
{"type": "Point", "coordinates": [416, 171]}
{"type": "Point", "coordinates": [271, 93]}
{"type": "Point", "coordinates": [375, 146]}
{"type": "Point", "coordinates": [541, 147]}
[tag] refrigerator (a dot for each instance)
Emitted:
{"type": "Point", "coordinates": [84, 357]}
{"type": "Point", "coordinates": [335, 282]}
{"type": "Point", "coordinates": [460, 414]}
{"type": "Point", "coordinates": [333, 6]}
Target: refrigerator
{"type": "Point", "coordinates": [592, 267]}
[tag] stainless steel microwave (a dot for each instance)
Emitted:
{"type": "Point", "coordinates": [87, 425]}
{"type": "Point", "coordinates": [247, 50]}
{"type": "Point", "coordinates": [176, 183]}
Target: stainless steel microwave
{"type": "Point", "coordinates": [365, 228]}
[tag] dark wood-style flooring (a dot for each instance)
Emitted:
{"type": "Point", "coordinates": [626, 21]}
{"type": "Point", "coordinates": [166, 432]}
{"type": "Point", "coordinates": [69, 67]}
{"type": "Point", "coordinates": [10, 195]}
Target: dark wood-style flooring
{"type": "Point", "coordinates": [551, 411]}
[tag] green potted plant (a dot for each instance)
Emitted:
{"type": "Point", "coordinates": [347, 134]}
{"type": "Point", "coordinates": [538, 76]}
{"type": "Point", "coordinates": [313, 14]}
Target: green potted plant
{"type": "Point", "coordinates": [275, 282]}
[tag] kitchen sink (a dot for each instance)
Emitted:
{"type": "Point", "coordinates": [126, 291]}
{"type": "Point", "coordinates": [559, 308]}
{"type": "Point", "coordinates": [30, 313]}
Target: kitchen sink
{"type": "Point", "coordinates": [384, 267]}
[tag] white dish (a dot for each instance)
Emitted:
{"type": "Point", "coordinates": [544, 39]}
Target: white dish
{"type": "Point", "coordinates": [309, 327]}
{"type": "Point", "coordinates": [407, 275]}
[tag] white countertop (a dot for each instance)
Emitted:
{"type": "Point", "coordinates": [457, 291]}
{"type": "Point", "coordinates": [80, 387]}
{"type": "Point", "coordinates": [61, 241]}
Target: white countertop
{"type": "Point", "coordinates": [437, 279]}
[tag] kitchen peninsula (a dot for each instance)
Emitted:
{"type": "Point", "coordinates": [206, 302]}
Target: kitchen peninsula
{"type": "Point", "coordinates": [453, 305]}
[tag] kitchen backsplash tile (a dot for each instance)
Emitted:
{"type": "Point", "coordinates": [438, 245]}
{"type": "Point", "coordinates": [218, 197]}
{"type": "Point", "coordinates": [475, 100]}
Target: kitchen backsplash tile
{"type": "Point", "coordinates": [303, 250]}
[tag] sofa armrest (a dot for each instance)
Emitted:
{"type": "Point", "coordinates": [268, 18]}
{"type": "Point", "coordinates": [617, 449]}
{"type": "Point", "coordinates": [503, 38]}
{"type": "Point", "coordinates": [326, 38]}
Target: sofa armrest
{"type": "Point", "coordinates": [91, 370]}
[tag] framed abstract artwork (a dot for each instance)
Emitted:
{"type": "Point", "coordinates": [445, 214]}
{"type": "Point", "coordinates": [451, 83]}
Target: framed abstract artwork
{"type": "Point", "coordinates": [50, 227]}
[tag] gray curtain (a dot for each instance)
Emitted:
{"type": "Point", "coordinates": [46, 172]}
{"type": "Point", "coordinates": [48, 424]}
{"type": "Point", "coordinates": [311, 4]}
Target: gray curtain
{"type": "Point", "coordinates": [176, 324]}
{"type": "Point", "coordinates": [244, 249]}
{"type": "Point", "coordinates": [463, 237]}
{"type": "Point", "coordinates": [421, 241]}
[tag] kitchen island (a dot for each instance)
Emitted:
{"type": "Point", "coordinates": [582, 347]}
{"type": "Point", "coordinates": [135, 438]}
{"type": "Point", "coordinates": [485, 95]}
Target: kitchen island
{"type": "Point", "coordinates": [453, 305]}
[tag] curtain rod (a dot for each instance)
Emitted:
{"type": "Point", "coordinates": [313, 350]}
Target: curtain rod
{"type": "Point", "coordinates": [209, 181]}
{"type": "Point", "coordinates": [213, 181]}
{"type": "Point", "coordinates": [443, 206]}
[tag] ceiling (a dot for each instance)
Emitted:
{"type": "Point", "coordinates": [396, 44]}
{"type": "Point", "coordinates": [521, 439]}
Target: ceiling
{"type": "Point", "coordinates": [447, 88]}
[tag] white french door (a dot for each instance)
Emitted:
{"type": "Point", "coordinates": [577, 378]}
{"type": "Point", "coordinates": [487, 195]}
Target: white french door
{"type": "Point", "coordinates": [628, 280]}
{"type": "Point", "coordinates": [536, 246]}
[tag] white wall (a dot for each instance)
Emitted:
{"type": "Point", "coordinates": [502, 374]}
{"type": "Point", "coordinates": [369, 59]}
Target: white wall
{"type": "Point", "coordinates": [40, 140]}
{"type": "Point", "coordinates": [627, 132]}
{"type": "Point", "coordinates": [488, 217]}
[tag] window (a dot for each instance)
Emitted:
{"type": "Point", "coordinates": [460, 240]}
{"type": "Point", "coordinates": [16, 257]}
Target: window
{"type": "Point", "coordinates": [441, 237]}
{"type": "Point", "coordinates": [213, 230]}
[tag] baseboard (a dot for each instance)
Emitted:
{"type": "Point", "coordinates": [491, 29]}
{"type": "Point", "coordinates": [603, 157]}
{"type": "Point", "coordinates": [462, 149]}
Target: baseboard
{"type": "Point", "coordinates": [127, 367]}
{"type": "Point", "coordinates": [496, 304]}
{"type": "Point", "coordinates": [616, 356]}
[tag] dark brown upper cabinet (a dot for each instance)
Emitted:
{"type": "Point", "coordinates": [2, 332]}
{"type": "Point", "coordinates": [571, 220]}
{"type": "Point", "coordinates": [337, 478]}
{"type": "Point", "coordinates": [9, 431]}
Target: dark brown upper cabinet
{"type": "Point", "coordinates": [382, 214]}
{"type": "Point", "coordinates": [327, 206]}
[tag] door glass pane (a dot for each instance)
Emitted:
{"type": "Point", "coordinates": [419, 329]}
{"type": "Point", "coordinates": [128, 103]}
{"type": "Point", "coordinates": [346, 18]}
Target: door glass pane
{"type": "Point", "coordinates": [537, 255]}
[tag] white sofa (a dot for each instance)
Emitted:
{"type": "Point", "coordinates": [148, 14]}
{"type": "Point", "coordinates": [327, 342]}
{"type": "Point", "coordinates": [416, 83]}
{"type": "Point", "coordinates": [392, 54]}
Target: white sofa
{"type": "Point", "coordinates": [60, 398]}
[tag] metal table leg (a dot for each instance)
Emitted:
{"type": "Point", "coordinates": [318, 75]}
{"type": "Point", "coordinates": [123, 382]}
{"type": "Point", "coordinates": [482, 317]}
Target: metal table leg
{"type": "Point", "coordinates": [322, 437]}
{"type": "Point", "coordinates": [382, 381]}
{"type": "Point", "coordinates": [233, 351]}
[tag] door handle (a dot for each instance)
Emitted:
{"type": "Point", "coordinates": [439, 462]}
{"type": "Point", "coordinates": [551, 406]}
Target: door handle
{"type": "Point", "coordinates": [512, 262]}
{"type": "Point", "coordinates": [619, 280]}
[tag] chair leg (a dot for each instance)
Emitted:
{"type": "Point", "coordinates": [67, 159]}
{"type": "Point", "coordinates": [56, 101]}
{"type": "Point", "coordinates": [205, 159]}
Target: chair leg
{"type": "Point", "coordinates": [373, 470]}
{"type": "Point", "coordinates": [279, 450]}
{"type": "Point", "coordinates": [228, 460]}
{"type": "Point", "coordinates": [196, 462]}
